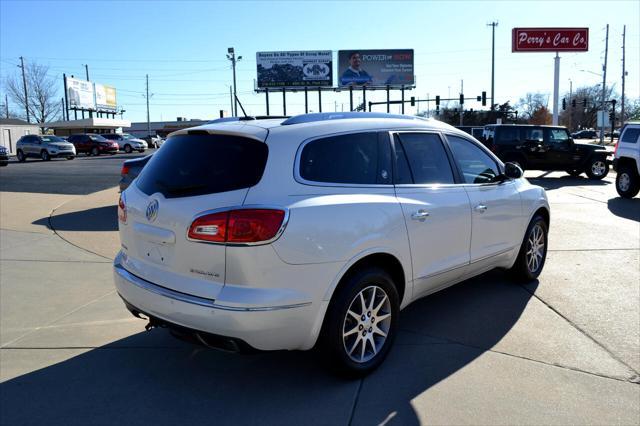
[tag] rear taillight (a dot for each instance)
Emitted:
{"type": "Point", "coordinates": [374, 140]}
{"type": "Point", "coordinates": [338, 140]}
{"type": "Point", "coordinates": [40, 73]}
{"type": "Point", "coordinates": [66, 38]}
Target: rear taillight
{"type": "Point", "coordinates": [125, 170]}
{"type": "Point", "coordinates": [238, 226]}
{"type": "Point", "coordinates": [615, 150]}
{"type": "Point", "coordinates": [122, 210]}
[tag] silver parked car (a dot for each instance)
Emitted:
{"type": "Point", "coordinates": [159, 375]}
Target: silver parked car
{"type": "Point", "coordinates": [45, 147]}
{"type": "Point", "coordinates": [126, 142]}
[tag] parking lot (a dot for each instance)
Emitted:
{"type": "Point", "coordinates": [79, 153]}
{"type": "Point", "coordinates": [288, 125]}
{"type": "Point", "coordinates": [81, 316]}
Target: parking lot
{"type": "Point", "coordinates": [564, 349]}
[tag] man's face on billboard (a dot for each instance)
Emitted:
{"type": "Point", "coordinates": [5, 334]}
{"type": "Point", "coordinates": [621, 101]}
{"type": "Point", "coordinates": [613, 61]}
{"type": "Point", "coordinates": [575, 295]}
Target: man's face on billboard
{"type": "Point", "coordinates": [355, 62]}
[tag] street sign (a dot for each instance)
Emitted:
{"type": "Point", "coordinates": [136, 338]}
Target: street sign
{"type": "Point", "coordinates": [550, 40]}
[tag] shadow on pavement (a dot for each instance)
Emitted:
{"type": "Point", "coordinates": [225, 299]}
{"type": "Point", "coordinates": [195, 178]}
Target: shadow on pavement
{"type": "Point", "coordinates": [151, 378]}
{"type": "Point", "coordinates": [550, 183]}
{"type": "Point", "coordinates": [625, 208]}
{"type": "Point", "coordinates": [97, 219]}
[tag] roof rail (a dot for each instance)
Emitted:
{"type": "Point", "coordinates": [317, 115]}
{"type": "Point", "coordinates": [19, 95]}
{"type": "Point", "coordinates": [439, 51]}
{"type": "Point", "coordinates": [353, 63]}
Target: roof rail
{"type": "Point", "coordinates": [325, 116]}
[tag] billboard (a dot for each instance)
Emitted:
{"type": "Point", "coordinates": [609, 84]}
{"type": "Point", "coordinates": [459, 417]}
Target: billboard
{"type": "Point", "coordinates": [105, 97]}
{"type": "Point", "coordinates": [295, 69]}
{"type": "Point", "coordinates": [80, 94]}
{"type": "Point", "coordinates": [375, 68]}
{"type": "Point", "coordinates": [550, 40]}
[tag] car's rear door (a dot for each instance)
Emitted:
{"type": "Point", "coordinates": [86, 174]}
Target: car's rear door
{"type": "Point", "coordinates": [436, 210]}
{"type": "Point", "coordinates": [496, 208]}
{"type": "Point", "coordinates": [560, 153]}
{"type": "Point", "coordinates": [192, 175]}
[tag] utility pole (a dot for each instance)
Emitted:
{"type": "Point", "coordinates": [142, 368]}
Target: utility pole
{"type": "Point", "coordinates": [461, 99]}
{"type": "Point", "coordinates": [231, 55]}
{"type": "Point", "coordinates": [571, 104]}
{"type": "Point", "coordinates": [493, 26]}
{"type": "Point", "coordinates": [624, 73]}
{"type": "Point", "coordinates": [604, 83]}
{"type": "Point", "coordinates": [86, 70]}
{"type": "Point", "coordinates": [6, 105]}
{"type": "Point", "coordinates": [148, 120]}
{"type": "Point", "coordinates": [24, 82]}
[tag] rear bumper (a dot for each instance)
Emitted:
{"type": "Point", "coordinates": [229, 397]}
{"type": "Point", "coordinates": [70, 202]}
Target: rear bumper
{"type": "Point", "coordinates": [261, 327]}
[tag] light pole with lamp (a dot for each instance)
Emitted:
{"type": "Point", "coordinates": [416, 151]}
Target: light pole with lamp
{"type": "Point", "coordinates": [231, 55]}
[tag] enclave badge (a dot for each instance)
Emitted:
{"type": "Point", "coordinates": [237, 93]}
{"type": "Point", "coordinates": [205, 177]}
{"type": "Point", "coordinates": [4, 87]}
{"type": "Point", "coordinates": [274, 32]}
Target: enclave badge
{"type": "Point", "coordinates": [152, 210]}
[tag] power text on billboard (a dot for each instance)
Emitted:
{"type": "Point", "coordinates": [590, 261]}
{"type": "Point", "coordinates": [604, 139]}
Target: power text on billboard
{"type": "Point", "coordinates": [375, 68]}
{"type": "Point", "coordinates": [295, 69]}
{"type": "Point", "coordinates": [550, 40]}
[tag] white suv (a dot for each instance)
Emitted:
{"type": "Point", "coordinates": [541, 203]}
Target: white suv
{"type": "Point", "coordinates": [627, 161]}
{"type": "Point", "coordinates": [318, 229]}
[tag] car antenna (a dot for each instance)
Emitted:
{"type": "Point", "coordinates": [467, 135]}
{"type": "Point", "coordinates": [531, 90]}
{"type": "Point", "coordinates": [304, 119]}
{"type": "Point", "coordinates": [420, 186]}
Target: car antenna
{"type": "Point", "coordinates": [241, 107]}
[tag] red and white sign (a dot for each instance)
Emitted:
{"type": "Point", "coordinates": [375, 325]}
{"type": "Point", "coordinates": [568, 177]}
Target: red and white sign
{"type": "Point", "coordinates": [550, 40]}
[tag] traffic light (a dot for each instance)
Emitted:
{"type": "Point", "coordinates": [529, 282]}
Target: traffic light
{"type": "Point", "coordinates": [564, 104]}
{"type": "Point", "coordinates": [573, 103]}
{"type": "Point", "coordinates": [461, 98]}
{"type": "Point", "coordinates": [584, 102]}
{"type": "Point", "coordinates": [484, 98]}
{"type": "Point", "coordinates": [438, 101]}
{"type": "Point", "coordinates": [438, 107]}
{"type": "Point", "coordinates": [413, 101]}
{"type": "Point", "coordinates": [612, 116]}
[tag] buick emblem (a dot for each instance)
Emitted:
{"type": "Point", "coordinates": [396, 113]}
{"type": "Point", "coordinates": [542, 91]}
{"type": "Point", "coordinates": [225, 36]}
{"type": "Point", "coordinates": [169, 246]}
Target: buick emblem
{"type": "Point", "coordinates": [152, 210]}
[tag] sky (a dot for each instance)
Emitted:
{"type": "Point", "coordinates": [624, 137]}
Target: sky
{"type": "Point", "coordinates": [182, 46]}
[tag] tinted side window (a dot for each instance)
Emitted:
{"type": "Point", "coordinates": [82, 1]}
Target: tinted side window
{"type": "Point", "coordinates": [532, 134]}
{"type": "Point", "coordinates": [475, 164]}
{"type": "Point", "coordinates": [630, 135]}
{"type": "Point", "coordinates": [507, 135]}
{"type": "Point", "coordinates": [427, 158]}
{"type": "Point", "coordinates": [558, 136]}
{"type": "Point", "coordinates": [359, 158]}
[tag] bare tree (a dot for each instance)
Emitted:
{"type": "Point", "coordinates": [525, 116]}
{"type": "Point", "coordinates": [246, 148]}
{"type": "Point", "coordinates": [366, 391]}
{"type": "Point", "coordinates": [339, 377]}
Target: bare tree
{"type": "Point", "coordinates": [531, 104]}
{"type": "Point", "coordinates": [42, 90]}
{"type": "Point", "coordinates": [588, 101]}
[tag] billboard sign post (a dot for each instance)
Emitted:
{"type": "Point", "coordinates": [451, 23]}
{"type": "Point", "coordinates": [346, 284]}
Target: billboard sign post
{"type": "Point", "coordinates": [295, 69]}
{"type": "Point", "coordinates": [551, 40]}
{"type": "Point", "coordinates": [376, 68]}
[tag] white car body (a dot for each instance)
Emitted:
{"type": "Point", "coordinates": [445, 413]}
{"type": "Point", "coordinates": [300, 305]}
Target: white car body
{"type": "Point", "coordinates": [627, 160]}
{"type": "Point", "coordinates": [275, 295]}
{"type": "Point", "coordinates": [124, 139]}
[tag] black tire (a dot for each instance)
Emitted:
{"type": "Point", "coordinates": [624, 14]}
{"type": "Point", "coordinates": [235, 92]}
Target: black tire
{"type": "Point", "coordinates": [597, 168]}
{"type": "Point", "coordinates": [70, 158]}
{"type": "Point", "coordinates": [44, 154]}
{"type": "Point", "coordinates": [627, 182]}
{"type": "Point", "coordinates": [525, 269]}
{"type": "Point", "coordinates": [574, 172]}
{"type": "Point", "coordinates": [333, 343]}
{"type": "Point", "coordinates": [127, 149]}
{"type": "Point", "coordinates": [20, 156]}
{"type": "Point", "coordinates": [95, 151]}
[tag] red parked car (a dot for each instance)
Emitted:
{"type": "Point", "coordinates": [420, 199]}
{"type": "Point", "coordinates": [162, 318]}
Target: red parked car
{"type": "Point", "coordinates": [92, 144]}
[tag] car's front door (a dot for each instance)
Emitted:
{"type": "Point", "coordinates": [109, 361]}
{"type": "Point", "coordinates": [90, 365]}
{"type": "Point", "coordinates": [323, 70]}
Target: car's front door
{"type": "Point", "coordinates": [496, 208]}
{"type": "Point", "coordinates": [436, 210]}
{"type": "Point", "coordinates": [532, 145]}
{"type": "Point", "coordinates": [561, 154]}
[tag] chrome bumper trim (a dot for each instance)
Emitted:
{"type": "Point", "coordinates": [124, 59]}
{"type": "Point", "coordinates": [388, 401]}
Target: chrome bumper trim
{"type": "Point", "coordinates": [194, 300]}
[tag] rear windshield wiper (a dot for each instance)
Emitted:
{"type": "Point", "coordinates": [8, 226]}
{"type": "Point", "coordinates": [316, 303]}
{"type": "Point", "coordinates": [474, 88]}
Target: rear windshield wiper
{"type": "Point", "coordinates": [179, 190]}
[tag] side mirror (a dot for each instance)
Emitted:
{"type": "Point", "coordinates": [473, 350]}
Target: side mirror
{"type": "Point", "coordinates": [512, 171]}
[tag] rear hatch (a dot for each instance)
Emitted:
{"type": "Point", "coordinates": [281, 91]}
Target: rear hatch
{"type": "Point", "coordinates": [193, 173]}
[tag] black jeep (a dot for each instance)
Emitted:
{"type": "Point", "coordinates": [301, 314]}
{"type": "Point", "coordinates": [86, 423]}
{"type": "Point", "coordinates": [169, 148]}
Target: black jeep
{"type": "Point", "coordinates": [545, 148]}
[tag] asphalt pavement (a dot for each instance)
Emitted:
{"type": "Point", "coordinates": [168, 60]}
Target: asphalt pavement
{"type": "Point", "coordinates": [564, 349]}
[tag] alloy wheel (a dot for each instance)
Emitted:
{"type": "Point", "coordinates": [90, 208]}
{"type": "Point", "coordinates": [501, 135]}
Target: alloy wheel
{"type": "Point", "coordinates": [598, 168]}
{"type": "Point", "coordinates": [366, 324]}
{"type": "Point", "coordinates": [624, 181]}
{"type": "Point", "coordinates": [535, 248]}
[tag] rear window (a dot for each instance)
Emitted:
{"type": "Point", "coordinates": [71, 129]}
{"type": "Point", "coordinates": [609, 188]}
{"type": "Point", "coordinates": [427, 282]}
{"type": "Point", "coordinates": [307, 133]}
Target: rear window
{"type": "Point", "coordinates": [630, 135]}
{"type": "Point", "coordinates": [189, 165]}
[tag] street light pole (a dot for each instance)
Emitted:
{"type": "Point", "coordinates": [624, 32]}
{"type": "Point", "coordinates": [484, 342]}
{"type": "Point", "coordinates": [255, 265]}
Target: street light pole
{"type": "Point", "coordinates": [231, 55]}
{"type": "Point", "coordinates": [493, 26]}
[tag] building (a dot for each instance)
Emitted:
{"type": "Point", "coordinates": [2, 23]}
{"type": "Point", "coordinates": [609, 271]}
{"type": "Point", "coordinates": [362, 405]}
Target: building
{"type": "Point", "coordinates": [88, 125]}
{"type": "Point", "coordinates": [162, 128]}
{"type": "Point", "coordinates": [12, 129]}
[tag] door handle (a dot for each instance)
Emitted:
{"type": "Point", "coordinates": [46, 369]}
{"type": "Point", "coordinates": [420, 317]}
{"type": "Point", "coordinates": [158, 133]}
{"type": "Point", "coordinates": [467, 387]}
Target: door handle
{"type": "Point", "coordinates": [480, 208]}
{"type": "Point", "coordinates": [420, 215]}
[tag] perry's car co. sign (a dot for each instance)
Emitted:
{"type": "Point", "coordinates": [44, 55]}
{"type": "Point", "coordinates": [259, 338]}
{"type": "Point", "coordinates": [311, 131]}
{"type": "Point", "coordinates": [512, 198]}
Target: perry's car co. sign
{"type": "Point", "coordinates": [550, 40]}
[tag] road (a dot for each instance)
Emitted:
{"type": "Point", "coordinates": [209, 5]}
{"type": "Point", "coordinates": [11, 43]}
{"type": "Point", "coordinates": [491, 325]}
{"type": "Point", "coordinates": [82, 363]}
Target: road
{"type": "Point", "coordinates": [562, 350]}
